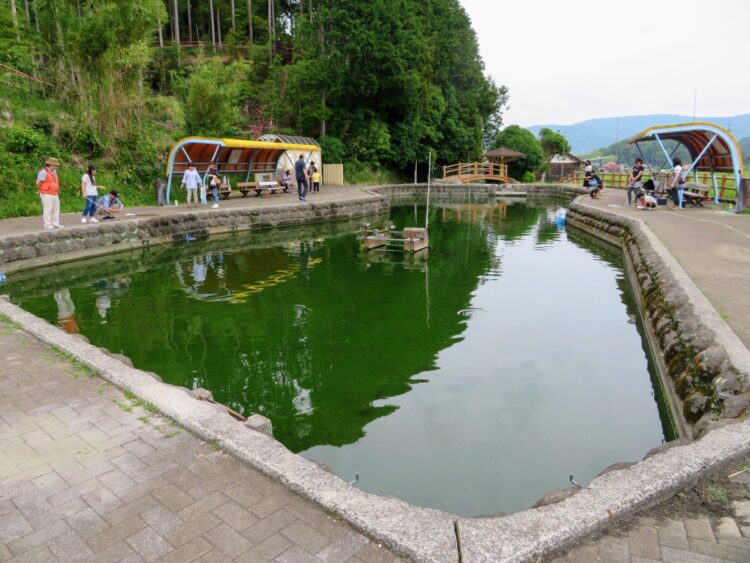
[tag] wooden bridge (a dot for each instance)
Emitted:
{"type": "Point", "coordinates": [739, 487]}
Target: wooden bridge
{"type": "Point", "coordinates": [469, 172]}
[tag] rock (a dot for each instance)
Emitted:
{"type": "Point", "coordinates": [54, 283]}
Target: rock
{"type": "Point", "coordinates": [683, 385]}
{"type": "Point", "coordinates": [735, 406]}
{"type": "Point", "coordinates": [260, 423]}
{"type": "Point", "coordinates": [695, 406]}
{"type": "Point", "coordinates": [124, 359]}
{"type": "Point", "coordinates": [553, 497]}
{"type": "Point", "coordinates": [202, 394]}
{"type": "Point", "coordinates": [727, 382]}
{"type": "Point", "coordinates": [710, 360]}
{"type": "Point", "coordinates": [616, 466]}
{"type": "Point", "coordinates": [710, 421]}
{"type": "Point", "coordinates": [156, 376]}
{"type": "Point", "coordinates": [664, 447]}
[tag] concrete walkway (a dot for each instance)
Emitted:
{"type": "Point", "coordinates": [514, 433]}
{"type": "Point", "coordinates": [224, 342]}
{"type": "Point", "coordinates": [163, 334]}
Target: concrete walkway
{"type": "Point", "coordinates": [88, 473]}
{"type": "Point", "coordinates": [27, 225]}
{"type": "Point", "coordinates": [712, 246]}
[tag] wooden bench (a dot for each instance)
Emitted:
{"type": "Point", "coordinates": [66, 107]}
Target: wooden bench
{"type": "Point", "coordinates": [246, 187]}
{"type": "Point", "coordinates": [695, 193]}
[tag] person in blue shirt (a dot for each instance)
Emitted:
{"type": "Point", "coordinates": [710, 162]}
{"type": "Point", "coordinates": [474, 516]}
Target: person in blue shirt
{"type": "Point", "coordinates": [301, 174]}
{"type": "Point", "coordinates": [191, 180]}
{"type": "Point", "coordinates": [109, 205]}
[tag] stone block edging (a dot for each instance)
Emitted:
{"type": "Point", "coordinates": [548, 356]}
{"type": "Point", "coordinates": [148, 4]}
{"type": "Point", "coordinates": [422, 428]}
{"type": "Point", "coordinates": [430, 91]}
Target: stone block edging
{"type": "Point", "coordinates": [41, 248]}
{"type": "Point", "coordinates": [707, 363]}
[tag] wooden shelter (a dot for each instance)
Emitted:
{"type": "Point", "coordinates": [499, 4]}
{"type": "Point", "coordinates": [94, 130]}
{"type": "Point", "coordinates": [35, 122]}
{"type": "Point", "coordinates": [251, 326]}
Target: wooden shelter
{"type": "Point", "coordinates": [264, 160]}
{"type": "Point", "coordinates": [563, 166]}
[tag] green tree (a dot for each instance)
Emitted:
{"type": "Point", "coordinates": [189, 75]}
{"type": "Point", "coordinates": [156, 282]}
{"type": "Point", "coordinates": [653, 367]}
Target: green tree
{"type": "Point", "coordinates": [523, 140]}
{"type": "Point", "coordinates": [211, 105]}
{"type": "Point", "coordinates": [553, 143]}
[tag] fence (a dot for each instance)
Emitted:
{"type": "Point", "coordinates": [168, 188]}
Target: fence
{"type": "Point", "coordinates": [726, 182]}
{"type": "Point", "coordinates": [333, 174]}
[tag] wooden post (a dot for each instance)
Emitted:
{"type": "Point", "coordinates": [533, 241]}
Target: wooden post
{"type": "Point", "coordinates": [416, 173]}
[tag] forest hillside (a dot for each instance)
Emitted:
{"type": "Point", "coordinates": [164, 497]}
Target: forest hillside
{"type": "Point", "coordinates": [116, 82]}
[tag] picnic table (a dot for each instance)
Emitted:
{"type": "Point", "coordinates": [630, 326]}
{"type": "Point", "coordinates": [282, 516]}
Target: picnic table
{"type": "Point", "coordinates": [265, 189]}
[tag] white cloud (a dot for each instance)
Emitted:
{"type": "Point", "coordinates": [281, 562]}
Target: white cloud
{"type": "Point", "coordinates": [569, 61]}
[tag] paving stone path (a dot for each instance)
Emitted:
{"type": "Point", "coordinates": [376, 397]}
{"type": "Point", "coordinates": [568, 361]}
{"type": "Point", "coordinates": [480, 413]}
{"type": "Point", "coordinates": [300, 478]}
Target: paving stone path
{"type": "Point", "coordinates": [88, 473]}
{"type": "Point", "coordinates": [703, 537]}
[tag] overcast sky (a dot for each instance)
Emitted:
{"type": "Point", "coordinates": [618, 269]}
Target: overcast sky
{"type": "Point", "coordinates": [578, 59]}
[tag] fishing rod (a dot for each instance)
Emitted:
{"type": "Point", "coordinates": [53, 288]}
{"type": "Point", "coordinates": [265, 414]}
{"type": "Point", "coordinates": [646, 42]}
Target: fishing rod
{"type": "Point", "coordinates": [130, 222]}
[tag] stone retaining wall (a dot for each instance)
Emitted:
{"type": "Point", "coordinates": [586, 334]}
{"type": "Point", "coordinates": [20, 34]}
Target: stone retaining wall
{"type": "Point", "coordinates": [711, 383]}
{"type": "Point", "coordinates": [52, 246]}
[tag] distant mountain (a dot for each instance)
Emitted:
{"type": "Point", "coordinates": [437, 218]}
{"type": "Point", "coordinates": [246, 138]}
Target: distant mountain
{"type": "Point", "coordinates": [592, 134]}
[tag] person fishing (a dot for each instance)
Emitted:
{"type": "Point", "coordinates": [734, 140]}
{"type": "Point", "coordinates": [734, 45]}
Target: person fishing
{"type": "Point", "coordinates": [110, 204]}
{"type": "Point", "coordinates": [90, 193]}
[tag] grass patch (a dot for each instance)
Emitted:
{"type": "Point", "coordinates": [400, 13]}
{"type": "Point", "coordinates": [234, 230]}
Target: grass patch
{"type": "Point", "coordinates": [10, 322]}
{"type": "Point", "coordinates": [123, 406]}
{"type": "Point", "coordinates": [214, 446]}
{"type": "Point", "coordinates": [80, 367]}
{"type": "Point", "coordinates": [144, 419]}
{"type": "Point", "coordinates": [719, 493]}
{"type": "Point", "coordinates": [357, 174]}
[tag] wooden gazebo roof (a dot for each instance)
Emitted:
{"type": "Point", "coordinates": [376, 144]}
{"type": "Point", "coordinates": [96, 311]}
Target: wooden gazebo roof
{"type": "Point", "coordinates": [504, 153]}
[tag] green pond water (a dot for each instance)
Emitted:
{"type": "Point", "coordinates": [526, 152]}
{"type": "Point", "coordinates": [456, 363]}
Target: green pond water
{"type": "Point", "coordinates": [473, 379]}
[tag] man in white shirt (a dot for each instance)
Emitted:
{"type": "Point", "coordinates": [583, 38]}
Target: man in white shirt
{"type": "Point", "coordinates": [191, 180]}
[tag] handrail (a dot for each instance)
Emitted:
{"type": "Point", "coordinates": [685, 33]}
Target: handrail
{"type": "Point", "coordinates": [486, 169]}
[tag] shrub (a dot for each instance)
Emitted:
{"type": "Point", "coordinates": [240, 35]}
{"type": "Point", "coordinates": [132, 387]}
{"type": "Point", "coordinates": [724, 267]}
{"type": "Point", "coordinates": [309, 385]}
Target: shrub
{"type": "Point", "coordinates": [333, 149]}
{"type": "Point", "coordinates": [84, 140]}
{"type": "Point", "coordinates": [23, 140]}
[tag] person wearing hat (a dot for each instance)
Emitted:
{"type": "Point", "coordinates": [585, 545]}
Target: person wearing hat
{"type": "Point", "coordinates": [110, 204]}
{"type": "Point", "coordinates": [48, 187]}
{"type": "Point", "coordinates": [90, 194]}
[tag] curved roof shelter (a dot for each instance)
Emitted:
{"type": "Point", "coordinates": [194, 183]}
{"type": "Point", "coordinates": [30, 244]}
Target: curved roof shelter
{"type": "Point", "coordinates": [238, 157]}
{"type": "Point", "coordinates": [712, 148]}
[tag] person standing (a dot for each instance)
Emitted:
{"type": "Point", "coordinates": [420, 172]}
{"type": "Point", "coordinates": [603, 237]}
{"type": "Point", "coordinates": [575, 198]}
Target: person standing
{"type": "Point", "coordinates": [316, 180]}
{"type": "Point", "coordinates": [48, 187]}
{"type": "Point", "coordinates": [677, 185]}
{"type": "Point", "coordinates": [302, 177]}
{"type": "Point", "coordinates": [191, 180]}
{"type": "Point", "coordinates": [214, 182]}
{"type": "Point", "coordinates": [635, 182]}
{"type": "Point", "coordinates": [90, 194]}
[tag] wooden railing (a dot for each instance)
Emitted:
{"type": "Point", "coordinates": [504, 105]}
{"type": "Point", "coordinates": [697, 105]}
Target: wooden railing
{"type": "Point", "coordinates": [474, 169]}
{"type": "Point", "coordinates": [726, 182]}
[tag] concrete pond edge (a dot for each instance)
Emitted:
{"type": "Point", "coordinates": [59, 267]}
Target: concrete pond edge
{"type": "Point", "coordinates": [423, 534]}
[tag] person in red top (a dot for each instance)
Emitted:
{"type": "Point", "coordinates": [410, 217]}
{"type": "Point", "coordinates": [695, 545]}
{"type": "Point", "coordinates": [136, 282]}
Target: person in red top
{"type": "Point", "coordinates": [48, 187]}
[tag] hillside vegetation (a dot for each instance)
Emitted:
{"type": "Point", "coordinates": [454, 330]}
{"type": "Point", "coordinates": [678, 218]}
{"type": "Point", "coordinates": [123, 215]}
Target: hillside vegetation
{"type": "Point", "coordinates": [378, 83]}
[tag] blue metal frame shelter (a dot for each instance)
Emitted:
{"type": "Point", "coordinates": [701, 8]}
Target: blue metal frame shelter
{"type": "Point", "coordinates": [712, 148]}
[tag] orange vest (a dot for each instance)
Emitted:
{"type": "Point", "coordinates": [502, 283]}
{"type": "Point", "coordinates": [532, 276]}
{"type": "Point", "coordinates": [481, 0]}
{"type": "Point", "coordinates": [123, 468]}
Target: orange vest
{"type": "Point", "coordinates": [49, 185]}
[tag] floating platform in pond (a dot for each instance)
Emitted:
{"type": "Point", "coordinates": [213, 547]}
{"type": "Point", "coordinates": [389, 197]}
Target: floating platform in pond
{"type": "Point", "coordinates": [410, 240]}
